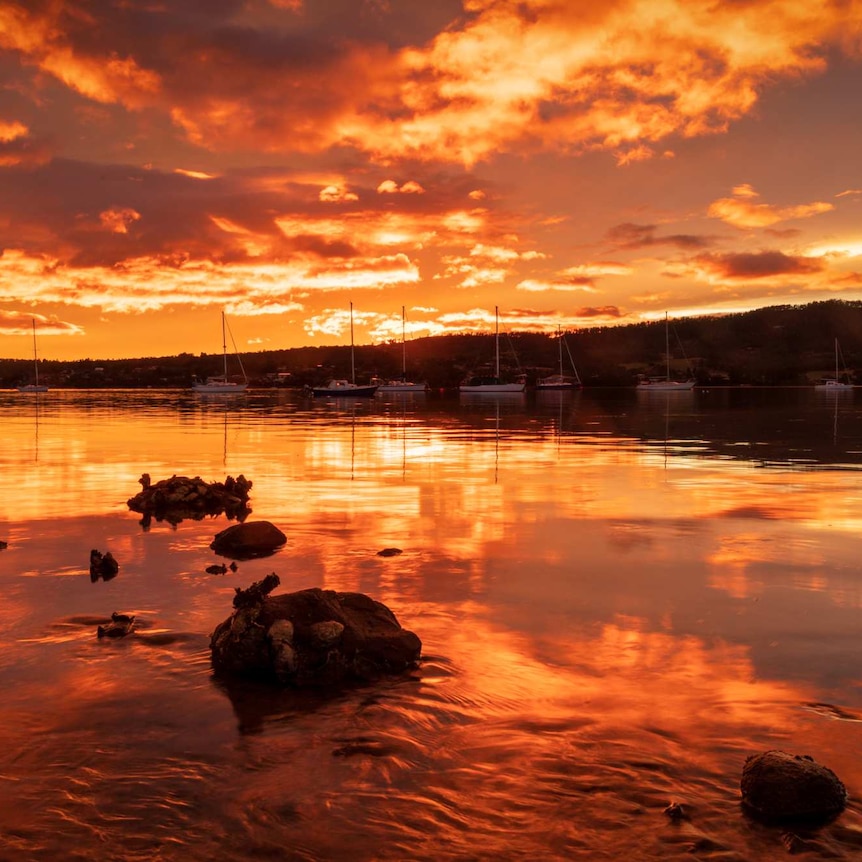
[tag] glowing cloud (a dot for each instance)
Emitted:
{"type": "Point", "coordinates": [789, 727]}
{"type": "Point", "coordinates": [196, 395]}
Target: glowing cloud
{"type": "Point", "coordinates": [118, 220]}
{"type": "Point", "coordinates": [740, 212]}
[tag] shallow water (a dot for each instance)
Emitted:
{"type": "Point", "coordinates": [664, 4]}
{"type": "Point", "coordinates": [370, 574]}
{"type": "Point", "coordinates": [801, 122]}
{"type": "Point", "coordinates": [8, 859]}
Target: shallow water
{"type": "Point", "coordinates": [620, 597]}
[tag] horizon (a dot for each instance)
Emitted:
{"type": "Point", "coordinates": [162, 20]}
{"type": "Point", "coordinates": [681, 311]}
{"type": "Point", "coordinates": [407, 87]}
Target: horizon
{"type": "Point", "coordinates": [278, 160]}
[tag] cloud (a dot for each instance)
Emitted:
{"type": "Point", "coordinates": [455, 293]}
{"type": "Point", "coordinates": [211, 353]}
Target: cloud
{"type": "Point", "coordinates": [335, 194]}
{"type": "Point", "coordinates": [764, 264]}
{"type": "Point", "coordinates": [390, 187]}
{"type": "Point", "coordinates": [739, 210]}
{"type": "Point", "coordinates": [634, 236]}
{"type": "Point", "coordinates": [452, 85]}
{"type": "Point", "coordinates": [21, 323]}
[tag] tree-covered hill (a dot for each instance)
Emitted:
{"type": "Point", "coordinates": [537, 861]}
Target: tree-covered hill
{"type": "Point", "coordinates": [778, 345]}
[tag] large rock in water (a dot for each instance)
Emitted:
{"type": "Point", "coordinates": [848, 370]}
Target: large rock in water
{"type": "Point", "coordinates": [249, 540]}
{"type": "Point", "coordinates": [312, 637]}
{"type": "Point", "coordinates": [777, 786]}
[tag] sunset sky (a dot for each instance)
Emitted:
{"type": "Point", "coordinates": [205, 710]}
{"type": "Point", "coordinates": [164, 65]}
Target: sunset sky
{"type": "Point", "coordinates": [574, 162]}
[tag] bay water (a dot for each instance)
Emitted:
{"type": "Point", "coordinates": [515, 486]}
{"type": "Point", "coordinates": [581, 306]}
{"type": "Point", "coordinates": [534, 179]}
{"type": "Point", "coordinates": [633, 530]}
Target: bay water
{"type": "Point", "coordinates": [620, 597]}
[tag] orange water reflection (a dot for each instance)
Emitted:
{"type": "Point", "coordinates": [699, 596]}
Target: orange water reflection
{"type": "Point", "coordinates": [606, 627]}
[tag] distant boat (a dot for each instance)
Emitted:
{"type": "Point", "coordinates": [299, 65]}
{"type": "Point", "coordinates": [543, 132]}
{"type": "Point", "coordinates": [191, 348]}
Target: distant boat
{"type": "Point", "coordinates": [222, 384]}
{"type": "Point", "coordinates": [35, 386]}
{"type": "Point", "coordinates": [487, 384]}
{"type": "Point", "coordinates": [346, 388]}
{"type": "Point", "coordinates": [835, 384]}
{"type": "Point", "coordinates": [561, 381]}
{"type": "Point", "coordinates": [402, 384]}
{"type": "Point", "coordinates": [666, 384]}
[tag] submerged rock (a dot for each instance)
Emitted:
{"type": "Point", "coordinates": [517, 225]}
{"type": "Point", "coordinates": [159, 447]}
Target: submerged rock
{"type": "Point", "coordinates": [119, 627]}
{"type": "Point", "coordinates": [3, 545]}
{"type": "Point", "coordinates": [103, 566]}
{"type": "Point", "coordinates": [390, 552]}
{"type": "Point", "coordinates": [777, 786]}
{"type": "Point", "coordinates": [175, 499]}
{"type": "Point", "coordinates": [246, 541]}
{"type": "Point", "coordinates": [312, 637]}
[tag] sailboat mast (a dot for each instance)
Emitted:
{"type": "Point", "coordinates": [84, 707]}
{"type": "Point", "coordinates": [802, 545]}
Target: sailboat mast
{"type": "Point", "coordinates": [352, 364]}
{"type": "Point", "coordinates": [224, 345]}
{"type": "Point", "coordinates": [403, 348]}
{"type": "Point", "coordinates": [667, 344]}
{"type": "Point", "coordinates": [836, 360]}
{"type": "Point", "coordinates": [560, 344]}
{"type": "Point", "coordinates": [497, 337]}
{"type": "Point", "coordinates": [36, 360]}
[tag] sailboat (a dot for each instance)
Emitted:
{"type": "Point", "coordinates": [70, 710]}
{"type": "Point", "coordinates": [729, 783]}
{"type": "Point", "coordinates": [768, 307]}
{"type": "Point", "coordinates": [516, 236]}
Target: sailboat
{"type": "Point", "coordinates": [493, 384]}
{"type": "Point", "coordinates": [35, 386]}
{"type": "Point", "coordinates": [665, 384]}
{"type": "Point", "coordinates": [341, 387]}
{"type": "Point", "coordinates": [561, 381]}
{"type": "Point", "coordinates": [836, 383]}
{"type": "Point", "coordinates": [221, 384]}
{"type": "Point", "coordinates": [402, 384]}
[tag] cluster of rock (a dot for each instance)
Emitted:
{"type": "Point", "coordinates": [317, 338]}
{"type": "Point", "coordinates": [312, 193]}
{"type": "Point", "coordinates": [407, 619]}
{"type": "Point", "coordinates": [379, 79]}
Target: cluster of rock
{"type": "Point", "coordinates": [312, 637]}
{"type": "Point", "coordinates": [119, 626]}
{"type": "Point", "coordinates": [175, 499]}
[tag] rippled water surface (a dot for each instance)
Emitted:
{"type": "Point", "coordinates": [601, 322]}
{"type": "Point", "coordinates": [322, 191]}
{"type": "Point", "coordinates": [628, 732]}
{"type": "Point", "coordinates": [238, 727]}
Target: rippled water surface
{"type": "Point", "coordinates": [620, 597]}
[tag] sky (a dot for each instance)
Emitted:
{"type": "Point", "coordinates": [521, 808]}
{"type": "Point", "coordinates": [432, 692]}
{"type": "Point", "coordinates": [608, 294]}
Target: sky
{"type": "Point", "coordinates": [568, 162]}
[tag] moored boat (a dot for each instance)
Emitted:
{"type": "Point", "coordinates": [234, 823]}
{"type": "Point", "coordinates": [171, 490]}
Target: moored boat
{"type": "Point", "coordinates": [481, 384]}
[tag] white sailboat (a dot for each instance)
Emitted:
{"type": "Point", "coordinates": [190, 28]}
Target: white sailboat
{"type": "Point", "coordinates": [221, 384]}
{"type": "Point", "coordinates": [561, 381]}
{"type": "Point", "coordinates": [666, 384]}
{"type": "Point", "coordinates": [835, 384]}
{"type": "Point", "coordinates": [480, 384]}
{"type": "Point", "coordinates": [35, 386]}
{"type": "Point", "coordinates": [342, 387]}
{"type": "Point", "coordinates": [402, 384]}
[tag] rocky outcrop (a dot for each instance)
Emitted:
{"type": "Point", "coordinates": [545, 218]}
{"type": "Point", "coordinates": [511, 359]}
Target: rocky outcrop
{"type": "Point", "coordinates": [777, 786]}
{"type": "Point", "coordinates": [312, 637]}
{"type": "Point", "coordinates": [179, 498]}
{"type": "Point", "coordinates": [247, 541]}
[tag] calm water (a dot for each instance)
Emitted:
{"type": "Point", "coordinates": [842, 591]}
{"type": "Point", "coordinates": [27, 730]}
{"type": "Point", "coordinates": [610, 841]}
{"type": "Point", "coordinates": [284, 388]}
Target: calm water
{"type": "Point", "coordinates": [620, 596]}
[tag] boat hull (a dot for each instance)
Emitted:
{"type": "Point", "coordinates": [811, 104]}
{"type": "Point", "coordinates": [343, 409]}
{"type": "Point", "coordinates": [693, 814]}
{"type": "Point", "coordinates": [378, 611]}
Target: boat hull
{"type": "Point", "coordinates": [490, 388]}
{"type": "Point", "coordinates": [344, 389]}
{"type": "Point", "coordinates": [556, 383]}
{"type": "Point", "coordinates": [667, 386]}
{"type": "Point", "coordinates": [33, 387]}
{"type": "Point", "coordinates": [218, 388]}
{"type": "Point", "coordinates": [833, 386]}
{"type": "Point", "coordinates": [402, 387]}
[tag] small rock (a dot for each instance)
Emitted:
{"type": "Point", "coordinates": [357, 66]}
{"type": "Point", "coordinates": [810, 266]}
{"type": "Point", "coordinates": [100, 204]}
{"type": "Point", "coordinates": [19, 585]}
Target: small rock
{"type": "Point", "coordinates": [102, 566]}
{"type": "Point", "coordinates": [777, 786]}
{"type": "Point", "coordinates": [217, 569]}
{"type": "Point", "coordinates": [3, 546]}
{"type": "Point", "coordinates": [249, 540]}
{"type": "Point", "coordinates": [120, 626]}
{"type": "Point", "coordinates": [390, 552]}
{"type": "Point", "coordinates": [676, 812]}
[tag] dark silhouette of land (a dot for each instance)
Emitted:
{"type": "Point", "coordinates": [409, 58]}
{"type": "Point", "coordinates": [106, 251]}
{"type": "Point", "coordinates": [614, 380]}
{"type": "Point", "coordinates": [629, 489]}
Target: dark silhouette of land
{"type": "Point", "coordinates": [781, 345]}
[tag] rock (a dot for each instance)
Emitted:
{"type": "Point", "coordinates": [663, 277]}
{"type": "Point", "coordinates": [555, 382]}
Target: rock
{"type": "Point", "coordinates": [120, 626]}
{"type": "Point", "coordinates": [217, 569]}
{"type": "Point", "coordinates": [3, 546]}
{"type": "Point", "coordinates": [676, 812]}
{"type": "Point", "coordinates": [312, 637]}
{"type": "Point", "coordinates": [102, 566]}
{"type": "Point", "coordinates": [246, 541]}
{"type": "Point", "coordinates": [390, 552]}
{"type": "Point", "coordinates": [777, 786]}
{"type": "Point", "coordinates": [180, 497]}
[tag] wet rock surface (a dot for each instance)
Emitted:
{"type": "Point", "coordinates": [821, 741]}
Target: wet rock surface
{"type": "Point", "coordinates": [777, 786]}
{"type": "Point", "coordinates": [119, 626]}
{"type": "Point", "coordinates": [310, 638]}
{"type": "Point", "coordinates": [180, 497]}
{"type": "Point", "coordinates": [103, 566]}
{"type": "Point", "coordinates": [249, 540]}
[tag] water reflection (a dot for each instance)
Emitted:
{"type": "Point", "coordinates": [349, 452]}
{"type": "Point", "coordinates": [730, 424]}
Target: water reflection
{"type": "Point", "coordinates": [619, 598]}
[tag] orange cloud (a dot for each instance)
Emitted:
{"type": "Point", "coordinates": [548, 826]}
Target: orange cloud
{"type": "Point", "coordinates": [764, 264]}
{"type": "Point", "coordinates": [740, 212]}
{"type": "Point", "coordinates": [118, 220]}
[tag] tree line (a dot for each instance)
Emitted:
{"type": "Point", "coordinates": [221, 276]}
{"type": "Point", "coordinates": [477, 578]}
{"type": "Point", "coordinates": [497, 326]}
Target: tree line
{"type": "Point", "coordinates": [779, 345]}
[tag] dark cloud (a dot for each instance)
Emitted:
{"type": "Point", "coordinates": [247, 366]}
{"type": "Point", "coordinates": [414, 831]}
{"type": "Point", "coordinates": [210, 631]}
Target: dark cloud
{"type": "Point", "coordinates": [758, 264]}
{"type": "Point", "coordinates": [629, 235]}
{"type": "Point", "coordinates": [599, 311]}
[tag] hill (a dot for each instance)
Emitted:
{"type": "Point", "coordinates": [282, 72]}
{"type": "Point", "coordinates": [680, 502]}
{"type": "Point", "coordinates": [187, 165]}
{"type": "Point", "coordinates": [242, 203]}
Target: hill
{"type": "Point", "coordinates": [774, 346]}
